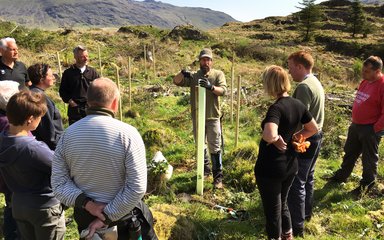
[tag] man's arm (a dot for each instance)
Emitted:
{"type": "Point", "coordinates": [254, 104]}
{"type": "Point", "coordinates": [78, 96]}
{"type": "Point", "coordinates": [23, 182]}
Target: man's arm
{"type": "Point", "coordinates": [64, 89]}
{"type": "Point", "coordinates": [379, 125]}
{"type": "Point", "coordinates": [62, 184]}
{"type": "Point", "coordinates": [135, 183]}
{"type": "Point", "coordinates": [178, 79]}
{"type": "Point", "coordinates": [303, 93]}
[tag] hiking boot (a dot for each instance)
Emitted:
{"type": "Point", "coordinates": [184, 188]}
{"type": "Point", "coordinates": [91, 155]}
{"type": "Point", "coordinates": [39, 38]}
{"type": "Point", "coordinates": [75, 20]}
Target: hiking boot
{"type": "Point", "coordinates": [335, 179]}
{"type": "Point", "coordinates": [362, 189]}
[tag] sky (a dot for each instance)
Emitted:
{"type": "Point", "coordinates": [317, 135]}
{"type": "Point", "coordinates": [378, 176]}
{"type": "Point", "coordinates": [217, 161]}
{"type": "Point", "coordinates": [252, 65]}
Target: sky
{"type": "Point", "coordinates": [244, 10]}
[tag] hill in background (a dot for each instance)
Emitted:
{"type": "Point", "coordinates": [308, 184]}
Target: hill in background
{"type": "Point", "coordinates": [94, 13]}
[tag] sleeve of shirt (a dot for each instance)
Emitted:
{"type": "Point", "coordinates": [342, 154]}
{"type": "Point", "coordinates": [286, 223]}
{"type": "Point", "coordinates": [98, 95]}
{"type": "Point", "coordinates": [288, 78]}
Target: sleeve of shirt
{"type": "Point", "coordinates": [62, 184]}
{"type": "Point", "coordinates": [46, 130]}
{"type": "Point", "coordinates": [221, 82]}
{"type": "Point", "coordinates": [303, 93]}
{"type": "Point", "coordinates": [135, 182]}
{"type": "Point", "coordinates": [43, 158]}
{"type": "Point", "coordinates": [379, 125]}
{"type": "Point", "coordinates": [64, 89]}
{"type": "Point", "coordinates": [273, 115]}
{"type": "Point", "coordinates": [307, 117]}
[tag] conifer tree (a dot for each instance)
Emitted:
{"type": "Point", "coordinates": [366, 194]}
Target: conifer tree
{"type": "Point", "coordinates": [309, 18]}
{"type": "Point", "coordinates": [357, 21]}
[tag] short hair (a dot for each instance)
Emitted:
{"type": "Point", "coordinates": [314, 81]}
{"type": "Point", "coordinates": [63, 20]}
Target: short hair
{"type": "Point", "coordinates": [37, 71]}
{"type": "Point", "coordinates": [302, 57]}
{"type": "Point", "coordinates": [79, 48]}
{"type": "Point", "coordinates": [7, 89]}
{"type": "Point", "coordinates": [375, 62]}
{"type": "Point", "coordinates": [275, 81]}
{"type": "Point", "coordinates": [25, 104]}
{"type": "Point", "coordinates": [101, 92]}
{"type": "Point", "coordinates": [5, 41]}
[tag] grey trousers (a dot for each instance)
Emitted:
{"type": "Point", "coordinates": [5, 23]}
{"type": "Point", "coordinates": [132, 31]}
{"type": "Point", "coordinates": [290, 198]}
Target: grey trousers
{"type": "Point", "coordinates": [363, 140]}
{"type": "Point", "coordinates": [39, 224]}
{"type": "Point", "coordinates": [212, 133]}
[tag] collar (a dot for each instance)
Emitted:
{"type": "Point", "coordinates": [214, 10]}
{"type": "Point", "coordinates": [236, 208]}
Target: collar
{"type": "Point", "coordinates": [100, 111]}
{"type": "Point", "coordinates": [308, 75]}
{"type": "Point", "coordinates": [36, 87]}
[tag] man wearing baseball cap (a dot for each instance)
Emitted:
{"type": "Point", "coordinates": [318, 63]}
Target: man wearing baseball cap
{"type": "Point", "coordinates": [214, 81]}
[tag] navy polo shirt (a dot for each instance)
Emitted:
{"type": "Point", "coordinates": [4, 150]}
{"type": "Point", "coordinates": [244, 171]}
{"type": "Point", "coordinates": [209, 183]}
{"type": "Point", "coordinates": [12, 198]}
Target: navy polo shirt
{"type": "Point", "coordinates": [18, 73]}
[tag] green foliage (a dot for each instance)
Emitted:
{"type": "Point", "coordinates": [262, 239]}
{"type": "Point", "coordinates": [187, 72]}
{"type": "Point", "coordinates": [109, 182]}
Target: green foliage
{"type": "Point", "coordinates": [309, 17]}
{"type": "Point", "coordinates": [357, 67]}
{"type": "Point", "coordinates": [357, 20]}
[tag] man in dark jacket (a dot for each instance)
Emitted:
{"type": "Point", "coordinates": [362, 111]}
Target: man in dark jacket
{"type": "Point", "coordinates": [75, 83]}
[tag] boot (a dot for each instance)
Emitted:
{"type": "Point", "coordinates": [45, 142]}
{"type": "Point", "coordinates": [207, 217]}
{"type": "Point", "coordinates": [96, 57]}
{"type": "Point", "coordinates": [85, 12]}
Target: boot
{"type": "Point", "coordinates": [287, 236]}
{"type": "Point", "coordinates": [207, 169]}
{"type": "Point", "coordinates": [217, 169]}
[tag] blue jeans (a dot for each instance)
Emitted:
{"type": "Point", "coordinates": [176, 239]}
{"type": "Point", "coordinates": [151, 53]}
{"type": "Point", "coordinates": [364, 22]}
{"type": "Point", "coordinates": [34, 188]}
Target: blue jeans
{"type": "Point", "coordinates": [300, 197]}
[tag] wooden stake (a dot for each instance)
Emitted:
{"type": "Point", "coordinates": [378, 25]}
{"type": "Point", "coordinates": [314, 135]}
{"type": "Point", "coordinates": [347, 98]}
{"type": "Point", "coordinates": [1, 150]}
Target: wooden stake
{"type": "Point", "coordinates": [130, 82]}
{"type": "Point", "coordinates": [145, 61]}
{"type": "Point", "coordinates": [232, 81]}
{"type": "Point", "coordinates": [101, 68]}
{"type": "Point", "coordinates": [154, 60]}
{"type": "Point", "coordinates": [121, 95]}
{"type": "Point", "coordinates": [200, 137]}
{"type": "Point", "coordinates": [238, 111]}
{"type": "Point", "coordinates": [59, 64]}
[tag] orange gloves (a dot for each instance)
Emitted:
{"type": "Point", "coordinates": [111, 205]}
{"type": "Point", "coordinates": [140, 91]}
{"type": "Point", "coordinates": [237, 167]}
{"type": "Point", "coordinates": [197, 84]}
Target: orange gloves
{"type": "Point", "coordinates": [299, 143]}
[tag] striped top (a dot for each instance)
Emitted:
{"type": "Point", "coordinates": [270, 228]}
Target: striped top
{"type": "Point", "coordinates": [103, 158]}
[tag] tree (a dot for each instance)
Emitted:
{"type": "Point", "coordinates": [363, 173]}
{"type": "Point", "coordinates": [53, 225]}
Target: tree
{"type": "Point", "coordinates": [309, 18]}
{"type": "Point", "coordinates": [357, 21]}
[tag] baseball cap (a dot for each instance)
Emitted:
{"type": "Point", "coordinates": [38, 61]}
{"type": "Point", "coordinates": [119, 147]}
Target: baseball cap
{"type": "Point", "coordinates": [206, 52]}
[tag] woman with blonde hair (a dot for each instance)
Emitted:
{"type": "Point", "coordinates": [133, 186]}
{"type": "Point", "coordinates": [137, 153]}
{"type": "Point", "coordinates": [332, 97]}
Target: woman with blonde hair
{"type": "Point", "coordinates": [276, 164]}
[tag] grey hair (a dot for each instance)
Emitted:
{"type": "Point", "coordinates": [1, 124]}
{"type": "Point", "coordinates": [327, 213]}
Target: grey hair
{"type": "Point", "coordinates": [79, 48]}
{"type": "Point", "coordinates": [7, 90]}
{"type": "Point", "coordinates": [4, 42]}
{"type": "Point", "coordinates": [101, 92]}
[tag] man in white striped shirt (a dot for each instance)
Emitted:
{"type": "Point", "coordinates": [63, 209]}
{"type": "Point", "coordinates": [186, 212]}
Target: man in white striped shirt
{"type": "Point", "coordinates": [99, 167]}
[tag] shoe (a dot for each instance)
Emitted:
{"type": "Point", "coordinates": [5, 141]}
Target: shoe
{"type": "Point", "coordinates": [298, 233]}
{"type": "Point", "coordinates": [218, 185]}
{"type": "Point", "coordinates": [362, 190]}
{"type": "Point", "coordinates": [287, 236]}
{"type": "Point", "coordinates": [335, 179]}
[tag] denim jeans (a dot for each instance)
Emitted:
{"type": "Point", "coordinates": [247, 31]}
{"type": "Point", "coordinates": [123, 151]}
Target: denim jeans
{"type": "Point", "coordinates": [300, 197]}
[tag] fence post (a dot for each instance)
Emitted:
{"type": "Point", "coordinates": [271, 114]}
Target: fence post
{"type": "Point", "coordinates": [99, 53]}
{"type": "Point", "coordinates": [121, 95]}
{"type": "Point", "coordinates": [232, 81]}
{"type": "Point", "coordinates": [130, 82]}
{"type": "Point", "coordinates": [154, 60]}
{"type": "Point", "coordinates": [59, 64]}
{"type": "Point", "coordinates": [238, 111]}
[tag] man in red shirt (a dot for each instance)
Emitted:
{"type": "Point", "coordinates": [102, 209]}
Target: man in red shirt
{"type": "Point", "coordinates": [367, 126]}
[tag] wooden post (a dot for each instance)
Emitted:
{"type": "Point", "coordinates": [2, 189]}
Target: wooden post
{"type": "Point", "coordinates": [145, 61]}
{"type": "Point", "coordinates": [121, 95]}
{"type": "Point", "coordinates": [101, 68]}
{"type": "Point", "coordinates": [59, 64]}
{"type": "Point", "coordinates": [154, 60]}
{"type": "Point", "coordinates": [232, 81]}
{"type": "Point", "coordinates": [130, 82]}
{"type": "Point", "coordinates": [238, 111]}
{"type": "Point", "coordinates": [200, 137]}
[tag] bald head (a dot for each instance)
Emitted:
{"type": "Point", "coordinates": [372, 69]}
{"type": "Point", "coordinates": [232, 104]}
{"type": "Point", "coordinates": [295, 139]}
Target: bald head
{"type": "Point", "coordinates": [102, 92]}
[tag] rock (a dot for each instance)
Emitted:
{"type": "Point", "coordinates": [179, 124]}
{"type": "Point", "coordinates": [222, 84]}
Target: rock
{"type": "Point", "coordinates": [187, 32]}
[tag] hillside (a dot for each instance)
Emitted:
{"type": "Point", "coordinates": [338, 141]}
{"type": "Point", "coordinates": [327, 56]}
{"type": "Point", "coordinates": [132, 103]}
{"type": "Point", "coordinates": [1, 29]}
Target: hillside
{"type": "Point", "coordinates": [161, 113]}
{"type": "Point", "coordinates": [96, 13]}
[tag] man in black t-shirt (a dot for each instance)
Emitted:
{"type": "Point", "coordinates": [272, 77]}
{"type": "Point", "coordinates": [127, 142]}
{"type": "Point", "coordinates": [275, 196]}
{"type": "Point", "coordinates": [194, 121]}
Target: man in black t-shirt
{"type": "Point", "coordinates": [75, 83]}
{"type": "Point", "coordinates": [10, 68]}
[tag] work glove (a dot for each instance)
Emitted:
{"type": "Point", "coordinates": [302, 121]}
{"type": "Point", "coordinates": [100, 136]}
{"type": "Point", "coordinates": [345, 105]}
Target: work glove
{"type": "Point", "coordinates": [186, 73]}
{"type": "Point", "coordinates": [299, 143]}
{"type": "Point", "coordinates": [203, 82]}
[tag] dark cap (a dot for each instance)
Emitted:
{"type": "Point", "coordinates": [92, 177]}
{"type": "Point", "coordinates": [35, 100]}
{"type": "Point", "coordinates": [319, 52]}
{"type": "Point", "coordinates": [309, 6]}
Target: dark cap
{"type": "Point", "coordinates": [206, 52]}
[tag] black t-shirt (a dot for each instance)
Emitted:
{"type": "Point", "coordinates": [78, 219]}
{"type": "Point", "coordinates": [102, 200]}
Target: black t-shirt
{"type": "Point", "coordinates": [18, 73]}
{"type": "Point", "coordinates": [287, 113]}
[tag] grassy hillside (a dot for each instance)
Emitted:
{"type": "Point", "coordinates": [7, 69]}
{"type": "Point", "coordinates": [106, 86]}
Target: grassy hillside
{"type": "Point", "coordinates": [162, 116]}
